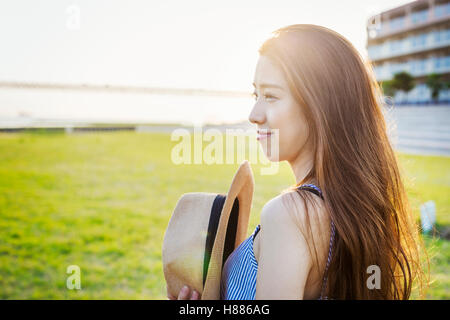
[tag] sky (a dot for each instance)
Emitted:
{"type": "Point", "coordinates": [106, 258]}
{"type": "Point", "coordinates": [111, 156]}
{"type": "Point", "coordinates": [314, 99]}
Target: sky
{"type": "Point", "coordinates": [203, 44]}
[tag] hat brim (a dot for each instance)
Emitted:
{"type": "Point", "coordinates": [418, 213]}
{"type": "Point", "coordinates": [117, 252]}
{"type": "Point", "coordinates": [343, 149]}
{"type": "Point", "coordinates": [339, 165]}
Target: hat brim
{"type": "Point", "coordinates": [241, 188]}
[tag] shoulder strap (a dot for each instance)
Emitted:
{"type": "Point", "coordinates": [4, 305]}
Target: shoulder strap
{"type": "Point", "coordinates": [312, 188]}
{"type": "Point", "coordinates": [308, 187]}
{"type": "Point", "coordinates": [316, 190]}
{"type": "Point", "coordinates": [325, 277]}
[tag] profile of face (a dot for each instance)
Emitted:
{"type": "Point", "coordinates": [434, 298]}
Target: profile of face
{"type": "Point", "coordinates": [277, 114]}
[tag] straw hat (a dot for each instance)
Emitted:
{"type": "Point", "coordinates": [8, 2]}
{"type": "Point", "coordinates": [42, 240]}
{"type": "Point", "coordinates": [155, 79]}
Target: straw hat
{"type": "Point", "coordinates": [203, 230]}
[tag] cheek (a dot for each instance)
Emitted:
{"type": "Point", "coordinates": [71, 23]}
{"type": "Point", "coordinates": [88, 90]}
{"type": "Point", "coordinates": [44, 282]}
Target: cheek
{"type": "Point", "coordinates": [292, 138]}
{"type": "Point", "coordinates": [293, 130]}
{"type": "Point", "coordinates": [280, 115]}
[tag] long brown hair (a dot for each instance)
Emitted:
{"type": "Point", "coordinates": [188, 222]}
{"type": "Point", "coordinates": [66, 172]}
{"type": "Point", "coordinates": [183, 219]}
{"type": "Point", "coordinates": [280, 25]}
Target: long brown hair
{"type": "Point", "coordinates": [354, 162]}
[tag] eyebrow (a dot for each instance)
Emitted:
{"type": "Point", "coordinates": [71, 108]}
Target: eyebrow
{"type": "Point", "coordinates": [269, 85]}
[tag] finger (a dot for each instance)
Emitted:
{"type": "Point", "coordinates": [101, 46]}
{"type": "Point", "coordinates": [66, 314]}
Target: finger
{"type": "Point", "coordinates": [194, 295]}
{"type": "Point", "coordinates": [184, 293]}
{"type": "Point", "coordinates": [171, 297]}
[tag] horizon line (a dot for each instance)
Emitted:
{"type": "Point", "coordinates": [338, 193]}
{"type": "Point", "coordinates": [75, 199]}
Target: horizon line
{"type": "Point", "coordinates": [122, 88]}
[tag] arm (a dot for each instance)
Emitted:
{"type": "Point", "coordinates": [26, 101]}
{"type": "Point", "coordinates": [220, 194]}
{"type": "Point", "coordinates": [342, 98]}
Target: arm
{"type": "Point", "coordinates": [284, 259]}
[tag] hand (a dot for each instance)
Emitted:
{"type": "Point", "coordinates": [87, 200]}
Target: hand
{"type": "Point", "coordinates": [184, 294]}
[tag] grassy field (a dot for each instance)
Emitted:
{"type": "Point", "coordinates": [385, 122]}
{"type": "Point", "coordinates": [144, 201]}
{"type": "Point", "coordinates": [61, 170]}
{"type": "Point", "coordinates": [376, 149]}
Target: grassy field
{"type": "Point", "coordinates": [102, 201]}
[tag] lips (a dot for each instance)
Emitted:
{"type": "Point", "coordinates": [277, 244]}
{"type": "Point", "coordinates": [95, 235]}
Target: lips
{"type": "Point", "coordinates": [263, 134]}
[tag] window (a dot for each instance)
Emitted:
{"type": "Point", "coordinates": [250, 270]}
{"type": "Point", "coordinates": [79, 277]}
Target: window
{"type": "Point", "coordinates": [383, 27]}
{"type": "Point", "coordinates": [437, 36]}
{"type": "Point", "coordinates": [374, 51]}
{"type": "Point", "coordinates": [446, 62]}
{"type": "Point", "coordinates": [419, 40]}
{"type": "Point", "coordinates": [397, 23]}
{"type": "Point", "coordinates": [395, 46]}
{"type": "Point", "coordinates": [418, 66]}
{"type": "Point", "coordinates": [437, 63]}
{"type": "Point", "coordinates": [396, 68]}
{"type": "Point", "coordinates": [378, 71]}
{"type": "Point", "coordinates": [419, 16]}
{"type": "Point", "coordinates": [441, 36]}
{"type": "Point", "coordinates": [442, 10]}
{"type": "Point", "coordinates": [441, 64]}
{"type": "Point", "coordinates": [446, 35]}
{"type": "Point", "coordinates": [423, 39]}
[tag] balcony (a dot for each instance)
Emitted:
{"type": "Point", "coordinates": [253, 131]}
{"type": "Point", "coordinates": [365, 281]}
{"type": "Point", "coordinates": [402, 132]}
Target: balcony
{"type": "Point", "coordinates": [380, 27]}
{"type": "Point", "coordinates": [412, 44]}
{"type": "Point", "coordinates": [417, 67]}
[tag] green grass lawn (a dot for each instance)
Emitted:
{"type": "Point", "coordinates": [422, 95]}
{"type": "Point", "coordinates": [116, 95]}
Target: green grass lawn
{"type": "Point", "coordinates": [102, 201]}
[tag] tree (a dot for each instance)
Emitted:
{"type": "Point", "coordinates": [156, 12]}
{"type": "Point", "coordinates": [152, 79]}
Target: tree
{"type": "Point", "coordinates": [403, 81]}
{"type": "Point", "coordinates": [435, 84]}
{"type": "Point", "coordinates": [388, 88]}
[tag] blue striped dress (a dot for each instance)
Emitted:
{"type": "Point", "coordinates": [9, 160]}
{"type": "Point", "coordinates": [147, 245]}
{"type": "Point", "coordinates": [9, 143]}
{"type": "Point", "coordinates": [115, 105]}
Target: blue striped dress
{"type": "Point", "coordinates": [238, 281]}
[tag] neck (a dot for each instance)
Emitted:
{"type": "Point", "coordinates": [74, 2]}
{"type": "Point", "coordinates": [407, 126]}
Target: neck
{"type": "Point", "coordinates": [301, 166]}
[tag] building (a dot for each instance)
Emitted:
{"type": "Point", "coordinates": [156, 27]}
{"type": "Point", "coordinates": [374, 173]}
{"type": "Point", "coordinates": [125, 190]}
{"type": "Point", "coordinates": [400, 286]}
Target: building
{"type": "Point", "coordinates": [415, 38]}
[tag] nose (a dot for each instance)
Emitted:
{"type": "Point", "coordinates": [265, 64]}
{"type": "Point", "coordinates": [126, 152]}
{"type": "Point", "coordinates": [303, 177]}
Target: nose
{"type": "Point", "coordinates": [257, 115]}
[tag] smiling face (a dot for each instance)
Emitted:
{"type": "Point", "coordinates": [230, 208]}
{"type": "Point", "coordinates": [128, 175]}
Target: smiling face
{"type": "Point", "coordinates": [276, 108]}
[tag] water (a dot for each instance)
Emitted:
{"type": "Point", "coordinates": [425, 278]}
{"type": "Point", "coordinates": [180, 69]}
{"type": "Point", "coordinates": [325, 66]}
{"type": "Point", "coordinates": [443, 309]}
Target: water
{"type": "Point", "coordinates": [24, 107]}
{"type": "Point", "coordinates": [419, 130]}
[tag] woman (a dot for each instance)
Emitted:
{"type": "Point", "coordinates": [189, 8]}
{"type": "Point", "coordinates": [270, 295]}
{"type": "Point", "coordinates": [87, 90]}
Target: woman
{"type": "Point", "coordinates": [353, 235]}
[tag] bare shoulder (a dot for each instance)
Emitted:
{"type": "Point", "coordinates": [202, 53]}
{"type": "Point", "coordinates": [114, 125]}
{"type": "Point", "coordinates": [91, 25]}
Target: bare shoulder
{"type": "Point", "coordinates": [285, 259]}
{"type": "Point", "coordinates": [295, 209]}
{"type": "Point", "coordinates": [274, 211]}
{"type": "Point", "coordinates": [287, 268]}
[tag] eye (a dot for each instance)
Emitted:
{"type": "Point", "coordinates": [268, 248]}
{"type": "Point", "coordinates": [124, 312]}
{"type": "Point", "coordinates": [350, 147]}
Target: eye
{"type": "Point", "coordinates": [270, 97]}
{"type": "Point", "coordinates": [266, 96]}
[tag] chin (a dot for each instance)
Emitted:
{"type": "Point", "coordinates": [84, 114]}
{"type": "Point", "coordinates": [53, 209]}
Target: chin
{"type": "Point", "coordinates": [272, 157]}
{"type": "Point", "coordinates": [272, 153]}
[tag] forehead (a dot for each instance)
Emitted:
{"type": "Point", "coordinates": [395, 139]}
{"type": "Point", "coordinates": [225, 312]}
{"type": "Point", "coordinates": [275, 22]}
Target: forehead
{"type": "Point", "coordinates": [267, 72]}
